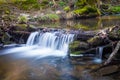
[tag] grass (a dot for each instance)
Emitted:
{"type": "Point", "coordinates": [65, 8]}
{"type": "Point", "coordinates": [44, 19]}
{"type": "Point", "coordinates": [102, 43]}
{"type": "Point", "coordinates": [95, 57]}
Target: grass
{"type": "Point", "coordinates": [49, 17]}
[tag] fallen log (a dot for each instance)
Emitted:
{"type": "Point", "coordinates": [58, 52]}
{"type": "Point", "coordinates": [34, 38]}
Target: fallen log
{"type": "Point", "coordinates": [113, 54]}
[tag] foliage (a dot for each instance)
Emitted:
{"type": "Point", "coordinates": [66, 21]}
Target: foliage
{"type": "Point", "coordinates": [115, 9]}
{"type": "Point", "coordinates": [67, 9]}
{"type": "Point", "coordinates": [22, 19]}
{"type": "Point", "coordinates": [61, 3]}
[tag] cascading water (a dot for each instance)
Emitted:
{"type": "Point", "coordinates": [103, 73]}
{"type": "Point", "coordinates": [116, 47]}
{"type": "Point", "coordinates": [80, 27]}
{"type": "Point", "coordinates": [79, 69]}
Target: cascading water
{"type": "Point", "coordinates": [99, 52]}
{"type": "Point", "coordinates": [50, 43]}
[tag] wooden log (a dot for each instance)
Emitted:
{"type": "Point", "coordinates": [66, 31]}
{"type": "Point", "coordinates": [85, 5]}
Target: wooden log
{"type": "Point", "coordinates": [113, 54]}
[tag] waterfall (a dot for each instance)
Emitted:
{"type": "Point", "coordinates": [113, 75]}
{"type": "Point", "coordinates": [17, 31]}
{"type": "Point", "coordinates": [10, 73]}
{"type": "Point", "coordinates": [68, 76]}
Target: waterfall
{"type": "Point", "coordinates": [51, 41]}
{"type": "Point", "coordinates": [99, 52]}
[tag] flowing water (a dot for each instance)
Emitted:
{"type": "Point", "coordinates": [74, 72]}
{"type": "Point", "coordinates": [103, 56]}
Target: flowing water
{"type": "Point", "coordinates": [99, 52]}
{"type": "Point", "coordinates": [44, 57]}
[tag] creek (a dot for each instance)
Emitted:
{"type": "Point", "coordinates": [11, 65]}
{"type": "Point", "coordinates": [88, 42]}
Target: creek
{"type": "Point", "coordinates": [45, 55]}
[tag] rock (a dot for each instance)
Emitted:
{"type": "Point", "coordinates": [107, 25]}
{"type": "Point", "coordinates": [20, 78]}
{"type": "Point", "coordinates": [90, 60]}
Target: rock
{"type": "Point", "coordinates": [58, 12]}
{"type": "Point", "coordinates": [108, 70]}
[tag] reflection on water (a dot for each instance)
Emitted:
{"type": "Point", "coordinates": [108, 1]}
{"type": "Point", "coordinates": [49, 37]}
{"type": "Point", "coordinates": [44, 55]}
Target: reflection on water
{"type": "Point", "coordinates": [86, 24]}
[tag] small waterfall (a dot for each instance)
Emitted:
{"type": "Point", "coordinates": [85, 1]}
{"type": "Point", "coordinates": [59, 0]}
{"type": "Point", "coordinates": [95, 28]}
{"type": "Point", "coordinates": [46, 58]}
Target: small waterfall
{"type": "Point", "coordinates": [99, 52]}
{"type": "Point", "coordinates": [55, 41]}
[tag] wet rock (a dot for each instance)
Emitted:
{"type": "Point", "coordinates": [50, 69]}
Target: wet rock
{"type": "Point", "coordinates": [98, 41]}
{"type": "Point", "coordinates": [108, 70]}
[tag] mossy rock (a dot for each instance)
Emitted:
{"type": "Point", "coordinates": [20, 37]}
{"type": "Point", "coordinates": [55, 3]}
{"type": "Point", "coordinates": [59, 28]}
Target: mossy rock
{"type": "Point", "coordinates": [114, 35]}
{"type": "Point", "coordinates": [21, 27]}
{"type": "Point", "coordinates": [95, 41]}
{"type": "Point", "coordinates": [76, 52]}
{"type": "Point", "coordinates": [74, 45]}
{"type": "Point", "coordinates": [78, 47]}
{"type": "Point", "coordinates": [67, 9]}
{"type": "Point", "coordinates": [86, 12]}
{"type": "Point", "coordinates": [114, 32]}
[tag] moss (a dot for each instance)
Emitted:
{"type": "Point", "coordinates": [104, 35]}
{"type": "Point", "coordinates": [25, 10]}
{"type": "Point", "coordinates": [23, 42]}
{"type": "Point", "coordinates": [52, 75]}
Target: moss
{"type": "Point", "coordinates": [87, 11]}
{"type": "Point", "coordinates": [74, 45]}
{"type": "Point", "coordinates": [21, 27]}
{"type": "Point", "coordinates": [77, 52]}
{"type": "Point", "coordinates": [31, 4]}
{"type": "Point", "coordinates": [67, 9]}
{"type": "Point", "coordinates": [95, 41]}
{"type": "Point", "coordinates": [114, 35]}
{"type": "Point", "coordinates": [22, 19]}
{"type": "Point", "coordinates": [115, 9]}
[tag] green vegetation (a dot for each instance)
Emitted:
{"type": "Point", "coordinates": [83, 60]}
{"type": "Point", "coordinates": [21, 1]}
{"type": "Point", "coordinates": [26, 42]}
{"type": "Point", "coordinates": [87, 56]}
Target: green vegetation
{"type": "Point", "coordinates": [115, 9]}
{"type": "Point", "coordinates": [28, 4]}
{"type": "Point", "coordinates": [74, 47]}
{"type": "Point", "coordinates": [96, 40]}
{"type": "Point", "coordinates": [21, 27]}
{"type": "Point", "coordinates": [74, 8]}
{"type": "Point", "coordinates": [87, 8]}
{"type": "Point", "coordinates": [52, 17]}
{"type": "Point", "coordinates": [49, 17]}
{"type": "Point", "coordinates": [67, 9]}
{"type": "Point", "coordinates": [22, 19]}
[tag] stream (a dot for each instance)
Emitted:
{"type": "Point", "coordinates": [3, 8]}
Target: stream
{"type": "Point", "coordinates": [45, 56]}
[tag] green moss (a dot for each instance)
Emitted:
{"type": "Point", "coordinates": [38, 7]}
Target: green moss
{"type": "Point", "coordinates": [21, 27]}
{"type": "Point", "coordinates": [115, 9]}
{"type": "Point", "coordinates": [85, 10]}
{"type": "Point", "coordinates": [67, 9]}
{"type": "Point", "coordinates": [114, 35]}
{"type": "Point", "coordinates": [95, 41]}
{"type": "Point", "coordinates": [22, 19]}
{"type": "Point", "coordinates": [77, 52]}
{"type": "Point", "coordinates": [74, 45]}
{"type": "Point", "coordinates": [31, 4]}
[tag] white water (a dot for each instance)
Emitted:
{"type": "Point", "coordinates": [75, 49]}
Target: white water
{"type": "Point", "coordinates": [49, 43]}
{"type": "Point", "coordinates": [99, 52]}
{"type": "Point", "coordinates": [43, 45]}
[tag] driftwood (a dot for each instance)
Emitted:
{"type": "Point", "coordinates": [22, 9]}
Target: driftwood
{"type": "Point", "coordinates": [113, 53]}
{"type": "Point", "coordinates": [85, 35]}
